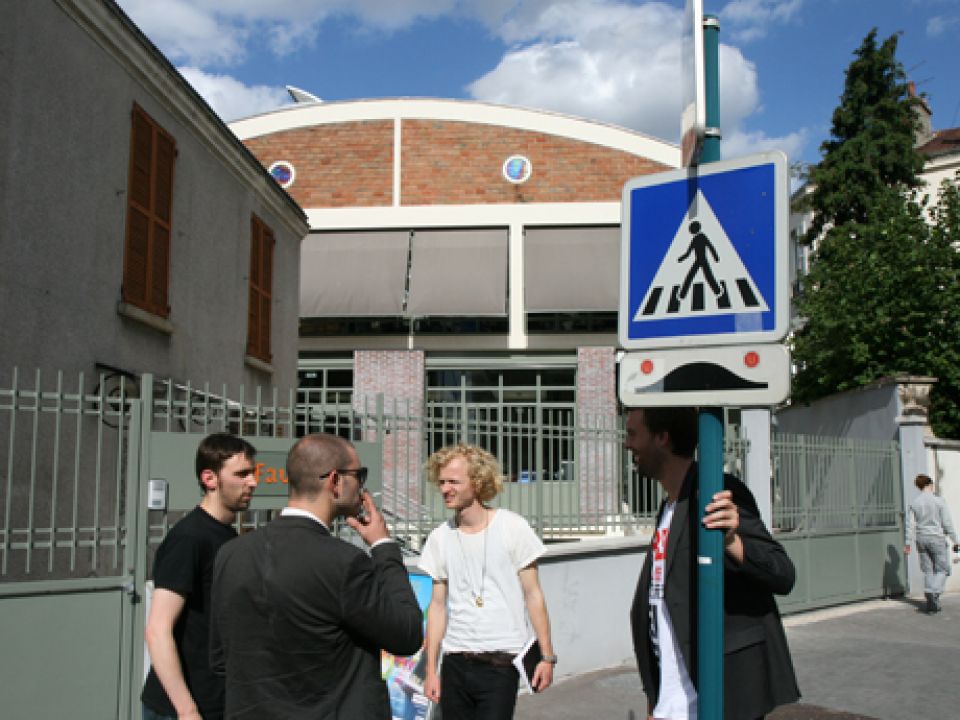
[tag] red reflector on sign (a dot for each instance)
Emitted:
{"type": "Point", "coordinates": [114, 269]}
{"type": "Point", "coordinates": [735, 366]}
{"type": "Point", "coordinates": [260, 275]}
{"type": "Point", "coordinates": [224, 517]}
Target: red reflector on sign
{"type": "Point", "coordinates": [751, 359]}
{"type": "Point", "coordinates": [646, 367]}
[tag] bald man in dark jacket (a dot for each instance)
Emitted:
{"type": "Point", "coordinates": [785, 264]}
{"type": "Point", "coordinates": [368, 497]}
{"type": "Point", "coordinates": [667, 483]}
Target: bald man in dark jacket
{"type": "Point", "coordinates": [301, 616]}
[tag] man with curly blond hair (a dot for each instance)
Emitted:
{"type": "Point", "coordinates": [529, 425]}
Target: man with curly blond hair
{"type": "Point", "coordinates": [486, 592]}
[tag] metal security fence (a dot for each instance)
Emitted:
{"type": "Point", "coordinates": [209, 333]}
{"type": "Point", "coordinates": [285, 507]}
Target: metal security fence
{"type": "Point", "coordinates": [67, 448]}
{"type": "Point", "coordinates": [837, 509]}
{"type": "Point", "coordinates": [826, 484]}
{"type": "Point", "coordinates": [63, 456]}
{"type": "Point", "coordinates": [566, 474]}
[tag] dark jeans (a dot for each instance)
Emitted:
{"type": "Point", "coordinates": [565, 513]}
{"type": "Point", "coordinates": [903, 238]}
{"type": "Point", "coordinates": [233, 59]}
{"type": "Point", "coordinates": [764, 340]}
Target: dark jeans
{"type": "Point", "coordinates": [475, 690]}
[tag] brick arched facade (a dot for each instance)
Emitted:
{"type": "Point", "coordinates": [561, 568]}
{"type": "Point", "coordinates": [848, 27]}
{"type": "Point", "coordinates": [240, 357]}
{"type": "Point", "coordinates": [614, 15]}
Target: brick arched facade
{"type": "Point", "coordinates": [443, 162]}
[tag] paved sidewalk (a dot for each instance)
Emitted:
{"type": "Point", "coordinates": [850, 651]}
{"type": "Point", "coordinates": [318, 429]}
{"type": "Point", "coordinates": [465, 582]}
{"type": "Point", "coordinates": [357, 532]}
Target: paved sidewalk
{"type": "Point", "coordinates": [879, 660]}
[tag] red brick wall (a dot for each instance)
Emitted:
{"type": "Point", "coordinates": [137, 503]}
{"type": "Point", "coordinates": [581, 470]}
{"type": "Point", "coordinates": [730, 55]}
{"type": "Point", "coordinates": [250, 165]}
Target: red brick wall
{"type": "Point", "coordinates": [461, 163]}
{"type": "Point", "coordinates": [400, 376]}
{"type": "Point", "coordinates": [598, 451]}
{"type": "Point", "coordinates": [350, 164]}
{"type": "Point", "coordinates": [346, 164]}
{"type": "Point", "coordinates": [596, 379]}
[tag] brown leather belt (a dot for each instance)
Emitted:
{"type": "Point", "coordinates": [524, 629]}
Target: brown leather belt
{"type": "Point", "coordinates": [495, 658]}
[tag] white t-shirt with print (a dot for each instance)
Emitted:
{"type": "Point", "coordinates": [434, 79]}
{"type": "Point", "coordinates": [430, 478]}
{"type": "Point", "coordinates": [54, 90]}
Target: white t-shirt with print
{"type": "Point", "coordinates": [678, 697]}
{"type": "Point", "coordinates": [510, 545]}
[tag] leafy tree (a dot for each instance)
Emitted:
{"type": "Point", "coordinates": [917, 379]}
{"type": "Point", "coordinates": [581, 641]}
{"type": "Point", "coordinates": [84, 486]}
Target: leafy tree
{"type": "Point", "coordinates": [883, 293]}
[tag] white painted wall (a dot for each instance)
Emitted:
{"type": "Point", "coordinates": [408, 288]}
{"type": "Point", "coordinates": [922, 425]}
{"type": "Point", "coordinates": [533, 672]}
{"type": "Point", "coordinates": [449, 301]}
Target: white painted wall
{"type": "Point", "coordinates": [589, 591]}
{"type": "Point", "coordinates": [944, 464]}
{"type": "Point", "coordinates": [867, 413]}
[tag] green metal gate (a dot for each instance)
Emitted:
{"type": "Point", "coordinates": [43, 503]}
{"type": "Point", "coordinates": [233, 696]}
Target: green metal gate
{"type": "Point", "coordinates": [837, 509]}
{"type": "Point", "coordinates": [69, 599]}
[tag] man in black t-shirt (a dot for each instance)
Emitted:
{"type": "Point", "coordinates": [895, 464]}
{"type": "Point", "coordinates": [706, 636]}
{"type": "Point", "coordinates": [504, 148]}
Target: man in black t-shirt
{"type": "Point", "coordinates": [180, 684]}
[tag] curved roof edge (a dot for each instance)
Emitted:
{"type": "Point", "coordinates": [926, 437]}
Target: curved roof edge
{"type": "Point", "coordinates": [545, 121]}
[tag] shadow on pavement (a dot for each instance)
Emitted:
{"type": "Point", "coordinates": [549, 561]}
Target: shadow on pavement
{"type": "Point", "coordinates": [800, 711]}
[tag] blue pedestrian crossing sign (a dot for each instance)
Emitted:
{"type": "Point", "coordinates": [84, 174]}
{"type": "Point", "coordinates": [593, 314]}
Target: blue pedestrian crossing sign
{"type": "Point", "coordinates": [704, 255]}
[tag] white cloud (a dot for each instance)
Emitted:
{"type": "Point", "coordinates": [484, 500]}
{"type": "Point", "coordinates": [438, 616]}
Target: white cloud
{"type": "Point", "coordinates": [941, 25]}
{"type": "Point", "coordinates": [609, 61]}
{"type": "Point", "coordinates": [741, 143]}
{"type": "Point", "coordinates": [748, 20]}
{"type": "Point", "coordinates": [184, 31]}
{"type": "Point", "coordinates": [216, 32]}
{"type": "Point", "coordinates": [230, 98]}
{"type": "Point", "coordinates": [613, 60]}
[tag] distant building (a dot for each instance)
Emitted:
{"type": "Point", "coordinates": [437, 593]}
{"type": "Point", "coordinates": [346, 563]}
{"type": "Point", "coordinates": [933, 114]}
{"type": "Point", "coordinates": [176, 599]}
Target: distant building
{"type": "Point", "coordinates": [457, 244]}
{"type": "Point", "coordinates": [463, 263]}
{"type": "Point", "coordinates": [940, 149]}
{"type": "Point", "coordinates": [942, 152]}
{"type": "Point", "coordinates": [138, 234]}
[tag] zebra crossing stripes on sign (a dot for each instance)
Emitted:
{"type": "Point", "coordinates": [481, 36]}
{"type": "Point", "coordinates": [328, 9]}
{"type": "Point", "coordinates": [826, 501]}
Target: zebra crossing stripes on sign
{"type": "Point", "coordinates": [701, 274]}
{"type": "Point", "coordinates": [704, 255]}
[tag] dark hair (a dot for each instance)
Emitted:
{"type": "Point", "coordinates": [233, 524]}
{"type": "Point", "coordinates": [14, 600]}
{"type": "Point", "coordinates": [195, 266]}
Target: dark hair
{"type": "Point", "coordinates": [216, 449]}
{"type": "Point", "coordinates": [310, 458]}
{"type": "Point", "coordinates": [680, 423]}
{"type": "Point", "coordinates": [923, 481]}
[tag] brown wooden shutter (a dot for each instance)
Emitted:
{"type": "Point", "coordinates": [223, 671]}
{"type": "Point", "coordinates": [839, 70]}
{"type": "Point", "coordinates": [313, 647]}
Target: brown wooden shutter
{"type": "Point", "coordinates": [260, 300]}
{"type": "Point", "coordinates": [266, 290]}
{"type": "Point", "coordinates": [253, 296]}
{"type": "Point", "coordinates": [146, 266]}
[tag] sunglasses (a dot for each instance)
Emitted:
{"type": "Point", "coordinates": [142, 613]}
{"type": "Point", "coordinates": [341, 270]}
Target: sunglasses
{"type": "Point", "coordinates": [360, 472]}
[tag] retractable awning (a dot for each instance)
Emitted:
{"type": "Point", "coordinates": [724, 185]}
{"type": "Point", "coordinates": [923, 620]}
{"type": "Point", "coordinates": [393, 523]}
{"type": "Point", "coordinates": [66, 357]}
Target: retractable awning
{"type": "Point", "coordinates": [353, 274]}
{"type": "Point", "coordinates": [458, 272]}
{"type": "Point", "coordinates": [571, 269]}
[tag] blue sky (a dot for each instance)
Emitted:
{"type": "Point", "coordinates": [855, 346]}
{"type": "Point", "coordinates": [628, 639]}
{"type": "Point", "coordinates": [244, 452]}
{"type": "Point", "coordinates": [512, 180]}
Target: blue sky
{"type": "Point", "coordinates": [618, 61]}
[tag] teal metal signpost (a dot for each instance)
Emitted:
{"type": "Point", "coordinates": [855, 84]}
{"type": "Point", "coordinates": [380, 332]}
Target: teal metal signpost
{"type": "Point", "coordinates": [710, 542]}
{"type": "Point", "coordinates": [671, 326]}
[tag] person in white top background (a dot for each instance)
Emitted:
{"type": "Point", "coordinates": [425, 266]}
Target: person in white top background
{"type": "Point", "coordinates": [486, 586]}
{"type": "Point", "coordinates": [928, 521]}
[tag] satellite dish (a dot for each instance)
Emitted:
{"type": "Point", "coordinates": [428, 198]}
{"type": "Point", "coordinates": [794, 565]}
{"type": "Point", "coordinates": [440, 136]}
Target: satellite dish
{"type": "Point", "coordinates": [302, 96]}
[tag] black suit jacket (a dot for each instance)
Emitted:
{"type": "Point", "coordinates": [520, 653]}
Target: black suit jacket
{"type": "Point", "coordinates": [299, 619]}
{"type": "Point", "coordinates": [758, 671]}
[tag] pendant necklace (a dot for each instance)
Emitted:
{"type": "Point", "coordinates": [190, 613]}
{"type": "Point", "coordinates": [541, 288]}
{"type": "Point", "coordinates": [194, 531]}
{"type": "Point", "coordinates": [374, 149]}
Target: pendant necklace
{"type": "Point", "coordinates": [477, 596]}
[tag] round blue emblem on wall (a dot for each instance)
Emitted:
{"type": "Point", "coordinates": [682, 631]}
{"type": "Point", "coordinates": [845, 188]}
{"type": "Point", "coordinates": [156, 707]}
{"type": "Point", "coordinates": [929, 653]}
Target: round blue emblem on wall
{"type": "Point", "coordinates": [517, 169]}
{"type": "Point", "coordinates": [283, 173]}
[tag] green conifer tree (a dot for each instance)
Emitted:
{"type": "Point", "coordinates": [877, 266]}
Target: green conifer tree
{"type": "Point", "coordinates": [882, 294]}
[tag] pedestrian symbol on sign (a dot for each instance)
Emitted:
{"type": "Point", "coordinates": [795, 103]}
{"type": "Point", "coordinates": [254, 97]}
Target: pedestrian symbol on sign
{"type": "Point", "coordinates": [699, 246]}
{"type": "Point", "coordinates": [691, 265]}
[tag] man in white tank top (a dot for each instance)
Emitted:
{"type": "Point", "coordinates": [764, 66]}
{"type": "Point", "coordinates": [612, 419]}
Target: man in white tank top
{"type": "Point", "coordinates": [485, 588]}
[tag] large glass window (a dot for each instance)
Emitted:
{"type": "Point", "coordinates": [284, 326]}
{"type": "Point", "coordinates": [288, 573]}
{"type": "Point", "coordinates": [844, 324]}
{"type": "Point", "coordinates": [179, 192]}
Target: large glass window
{"type": "Point", "coordinates": [523, 415]}
{"type": "Point", "coordinates": [325, 397]}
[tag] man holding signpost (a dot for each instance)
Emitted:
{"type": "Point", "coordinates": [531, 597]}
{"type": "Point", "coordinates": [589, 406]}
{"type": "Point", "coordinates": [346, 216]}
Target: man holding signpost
{"type": "Point", "coordinates": [757, 669]}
